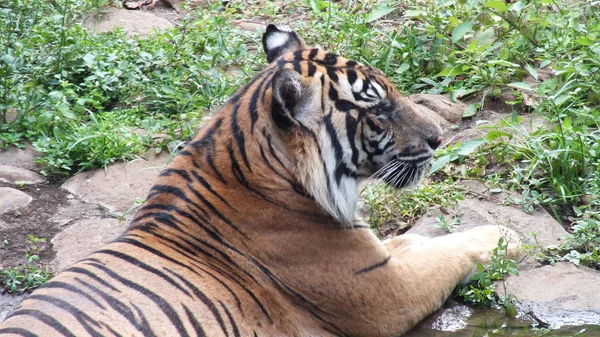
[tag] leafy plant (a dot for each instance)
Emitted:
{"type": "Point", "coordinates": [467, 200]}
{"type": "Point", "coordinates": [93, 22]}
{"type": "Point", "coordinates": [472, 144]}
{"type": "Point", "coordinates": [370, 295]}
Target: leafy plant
{"type": "Point", "coordinates": [29, 275]}
{"type": "Point", "coordinates": [481, 290]}
{"type": "Point", "coordinates": [447, 225]}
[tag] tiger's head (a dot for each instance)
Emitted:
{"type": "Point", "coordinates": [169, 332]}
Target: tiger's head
{"type": "Point", "coordinates": [343, 123]}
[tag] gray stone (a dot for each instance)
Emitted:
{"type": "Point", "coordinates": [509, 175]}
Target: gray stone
{"type": "Point", "coordinates": [83, 238]}
{"type": "Point", "coordinates": [441, 105]}
{"type": "Point", "coordinates": [494, 209]}
{"type": "Point", "coordinates": [23, 158]}
{"type": "Point", "coordinates": [11, 199]}
{"type": "Point", "coordinates": [120, 185]}
{"type": "Point", "coordinates": [8, 303]}
{"type": "Point", "coordinates": [562, 294]}
{"type": "Point", "coordinates": [18, 175]}
{"type": "Point", "coordinates": [133, 22]}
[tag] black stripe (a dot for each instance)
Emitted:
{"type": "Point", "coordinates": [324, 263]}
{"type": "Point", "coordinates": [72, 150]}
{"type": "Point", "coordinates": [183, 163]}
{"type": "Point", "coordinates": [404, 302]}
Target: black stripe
{"type": "Point", "coordinates": [332, 73]}
{"type": "Point", "coordinates": [121, 309]}
{"type": "Point", "coordinates": [45, 318]}
{"type": "Point", "coordinates": [313, 53]}
{"type": "Point", "coordinates": [79, 315]}
{"type": "Point", "coordinates": [206, 185]}
{"type": "Point", "coordinates": [214, 210]}
{"type": "Point", "coordinates": [312, 69]}
{"type": "Point", "coordinates": [182, 173]}
{"type": "Point", "coordinates": [197, 326]}
{"type": "Point", "coordinates": [375, 266]}
{"type": "Point", "coordinates": [73, 289]}
{"type": "Point", "coordinates": [18, 331]}
{"type": "Point", "coordinates": [340, 167]}
{"type": "Point", "coordinates": [351, 128]}
{"type": "Point", "coordinates": [253, 106]}
{"type": "Point", "coordinates": [136, 262]}
{"type": "Point", "coordinates": [351, 75]}
{"type": "Point", "coordinates": [238, 134]}
{"type": "Point", "coordinates": [206, 301]}
{"type": "Point", "coordinates": [236, 331]}
{"type": "Point", "coordinates": [164, 306]}
{"type": "Point", "coordinates": [93, 276]}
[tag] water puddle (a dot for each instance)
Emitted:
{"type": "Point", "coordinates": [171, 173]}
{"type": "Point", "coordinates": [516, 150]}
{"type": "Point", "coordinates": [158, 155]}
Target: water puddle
{"type": "Point", "coordinates": [461, 321]}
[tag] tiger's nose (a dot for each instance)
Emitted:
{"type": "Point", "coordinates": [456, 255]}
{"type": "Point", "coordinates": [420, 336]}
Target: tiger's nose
{"type": "Point", "coordinates": [434, 141]}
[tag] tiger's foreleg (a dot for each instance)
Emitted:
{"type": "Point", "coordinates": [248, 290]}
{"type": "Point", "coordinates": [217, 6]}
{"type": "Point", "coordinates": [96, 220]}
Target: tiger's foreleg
{"type": "Point", "coordinates": [438, 265]}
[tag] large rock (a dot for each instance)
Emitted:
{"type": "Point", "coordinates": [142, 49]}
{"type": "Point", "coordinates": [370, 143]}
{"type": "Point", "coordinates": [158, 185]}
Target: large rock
{"type": "Point", "coordinates": [562, 294]}
{"type": "Point", "coordinates": [441, 105]}
{"type": "Point", "coordinates": [11, 199]}
{"type": "Point", "coordinates": [82, 238]}
{"type": "Point", "coordinates": [133, 22]}
{"type": "Point", "coordinates": [491, 209]}
{"type": "Point", "coordinates": [18, 175]}
{"type": "Point", "coordinates": [23, 158]}
{"type": "Point", "coordinates": [119, 185]}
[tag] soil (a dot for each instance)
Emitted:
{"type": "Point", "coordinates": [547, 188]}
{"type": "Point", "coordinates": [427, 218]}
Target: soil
{"type": "Point", "coordinates": [39, 219]}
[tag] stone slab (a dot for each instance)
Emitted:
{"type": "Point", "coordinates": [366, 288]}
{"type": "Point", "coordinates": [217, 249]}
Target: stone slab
{"type": "Point", "coordinates": [82, 238]}
{"type": "Point", "coordinates": [561, 294]}
{"type": "Point", "coordinates": [133, 22]}
{"type": "Point", "coordinates": [8, 303]}
{"type": "Point", "coordinates": [442, 105]}
{"type": "Point", "coordinates": [17, 175]}
{"type": "Point", "coordinates": [12, 199]}
{"type": "Point", "coordinates": [23, 158]}
{"type": "Point", "coordinates": [118, 186]}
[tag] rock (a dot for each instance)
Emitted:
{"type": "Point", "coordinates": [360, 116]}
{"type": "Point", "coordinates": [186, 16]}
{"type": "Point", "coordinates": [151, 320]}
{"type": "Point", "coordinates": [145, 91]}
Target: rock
{"type": "Point", "coordinates": [249, 26]}
{"type": "Point", "coordinates": [562, 294]}
{"type": "Point", "coordinates": [441, 105]}
{"type": "Point", "coordinates": [120, 185]}
{"type": "Point", "coordinates": [8, 303]}
{"type": "Point", "coordinates": [23, 158]}
{"type": "Point", "coordinates": [76, 210]}
{"type": "Point", "coordinates": [11, 199]}
{"type": "Point", "coordinates": [82, 238]}
{"type": "Point", "coordinates": [490, 210]}
{"type": "Point", "coordinates": [133, 22]}
{"type": "Point", "coordinates": [17, 175]}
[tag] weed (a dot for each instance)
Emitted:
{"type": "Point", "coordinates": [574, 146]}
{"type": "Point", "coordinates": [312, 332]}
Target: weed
{"type": "Point", "coordinates": [449, 226]}
{"type": "Point", "coordinates": [481, 290]}
{"type": "Point", "coordinates": [27, 276]}
{"type": "Point", "coordinates": [391, 210]}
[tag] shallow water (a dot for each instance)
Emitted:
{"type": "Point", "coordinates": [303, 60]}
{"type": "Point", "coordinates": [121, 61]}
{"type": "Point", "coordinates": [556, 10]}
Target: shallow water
{"type": "Point", "coordinates": [490, 322]}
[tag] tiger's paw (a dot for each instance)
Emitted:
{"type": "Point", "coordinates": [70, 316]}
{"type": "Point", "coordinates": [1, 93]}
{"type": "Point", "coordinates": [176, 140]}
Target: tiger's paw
{"type": "Point", "coordinates": [486, 238]}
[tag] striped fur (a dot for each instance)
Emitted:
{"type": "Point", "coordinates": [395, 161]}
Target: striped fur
{"type": "Point", "coordinates": [250, 230]}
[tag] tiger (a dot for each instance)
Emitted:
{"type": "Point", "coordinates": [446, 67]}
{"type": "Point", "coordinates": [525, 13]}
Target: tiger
{"type": "Point", "coordinates": [251, 230]}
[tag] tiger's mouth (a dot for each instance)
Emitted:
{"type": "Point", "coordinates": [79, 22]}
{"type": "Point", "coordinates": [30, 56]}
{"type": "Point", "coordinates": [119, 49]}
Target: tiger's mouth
{"type": "Point", "coordinates": [403, 172]}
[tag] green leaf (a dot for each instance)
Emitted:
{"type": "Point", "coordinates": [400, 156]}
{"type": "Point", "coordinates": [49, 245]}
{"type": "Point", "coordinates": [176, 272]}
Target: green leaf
{"type": "Point", "coordinates": [584, 40]}
{"type": "Point", "coordinates": [520, 85]}
{"type": "Point", "coordinates": [460, 31]}
{"type": "Point", "coordinates": [469, 111]}
{"type": "Point", "coordinates": [495, 134]}
{"type": "Point", "coordinates": [499, 5]}
{"type": "Point", "coordinates": [378, 13]}
{"type": "Point", "coordinates": [7, 58]}
{"type": "Point", "coordinates": [531, 71]}
{"type": "Point", "coordinates": [439, 162]}
{"type": "Point", "coordinates": [402, 68]}
{"type": "Point", "coordinates": [89, 59]}
{"type": "Point", "coordinates": [451, 71]}
{"type": "Point", "coordinates": [469, 146]}
{"type": "Point", "coordinates": [413, 12]}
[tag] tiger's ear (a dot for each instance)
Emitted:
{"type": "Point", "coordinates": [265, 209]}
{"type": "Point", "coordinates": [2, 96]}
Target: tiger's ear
{"type": "Point", "coordinates": [278, 41]}
{"type": "Point", "coordinates": [294, 101]}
